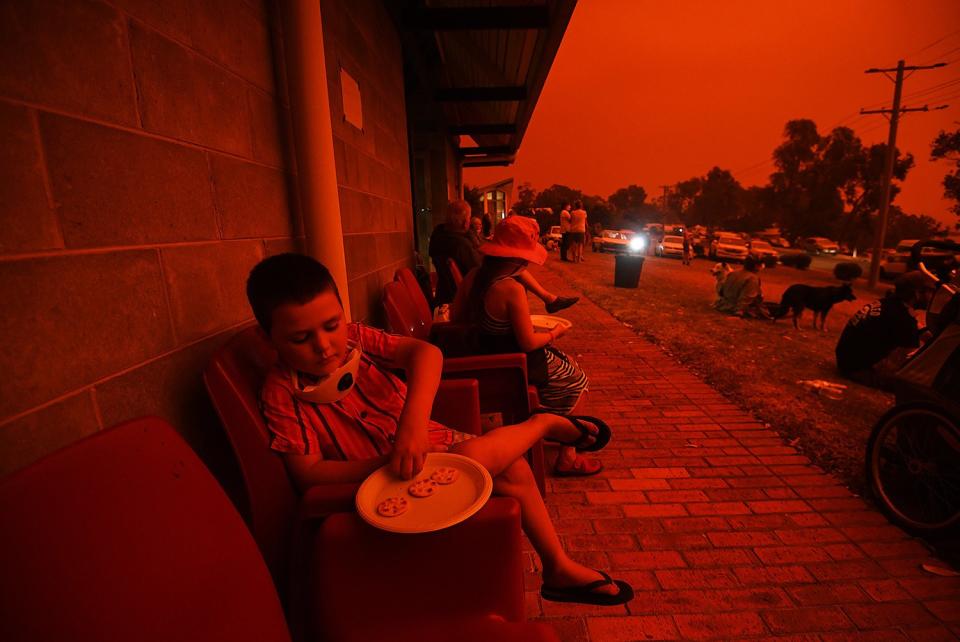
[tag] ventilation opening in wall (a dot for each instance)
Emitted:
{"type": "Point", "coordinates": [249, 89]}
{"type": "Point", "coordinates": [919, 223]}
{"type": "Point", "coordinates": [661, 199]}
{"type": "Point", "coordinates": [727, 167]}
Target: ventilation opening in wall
{"type": "Point", "coordinates": [352, 106]}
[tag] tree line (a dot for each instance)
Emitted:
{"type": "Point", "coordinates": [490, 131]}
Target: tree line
{"type": "Point", "coordinates": [822, 185]}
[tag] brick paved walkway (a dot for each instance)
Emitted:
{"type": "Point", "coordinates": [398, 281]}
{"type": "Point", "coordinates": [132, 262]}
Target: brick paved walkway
{"type": "Point", "coordinates": [724, 531]}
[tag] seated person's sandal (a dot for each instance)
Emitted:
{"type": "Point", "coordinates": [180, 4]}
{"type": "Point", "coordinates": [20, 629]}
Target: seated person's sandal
{"type": "Point", "coordinates": [586, 593]}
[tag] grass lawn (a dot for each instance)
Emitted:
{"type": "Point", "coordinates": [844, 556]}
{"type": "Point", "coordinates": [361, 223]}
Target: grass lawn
{"type": "Point", "coordinates": [756, 364]}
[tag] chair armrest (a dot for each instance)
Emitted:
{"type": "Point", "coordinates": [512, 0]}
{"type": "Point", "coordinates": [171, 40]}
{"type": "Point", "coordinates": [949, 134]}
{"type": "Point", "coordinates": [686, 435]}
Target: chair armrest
{"type": "Point", "coordinates": [473, 568]}
{"type": "Point", "coordinates": [457, 405]}
{"type": "Point", "coordinates": [453, 339]}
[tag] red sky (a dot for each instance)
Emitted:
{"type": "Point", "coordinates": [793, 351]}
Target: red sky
{"type": "Point", "coordinates": [654, 92]}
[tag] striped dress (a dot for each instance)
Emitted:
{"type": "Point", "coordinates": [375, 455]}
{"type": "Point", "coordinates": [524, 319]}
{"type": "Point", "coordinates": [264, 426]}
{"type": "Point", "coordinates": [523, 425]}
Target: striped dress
{"type": "Point", "coordinates": [565, 381]}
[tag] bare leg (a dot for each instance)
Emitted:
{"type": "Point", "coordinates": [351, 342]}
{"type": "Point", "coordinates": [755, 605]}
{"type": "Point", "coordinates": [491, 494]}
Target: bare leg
{"type": "Point", "coordinates": [568, 454]}
{"type": "Point", "coordinates": [516, 480]}
{"type": "Point", "coordinates": [533, 286]}
{"type": "Point", "coordinates": [500, 447]}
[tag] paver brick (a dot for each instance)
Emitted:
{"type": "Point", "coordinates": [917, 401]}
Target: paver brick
{"type": "Point", "coordinates": [822, 594]}
{"type": "Point", "coordinates": [643, 560]}
{"type": "Point", "coordinates": [659, 473]}
{"type": "Point", "coordinates": [675, 496]}
{"type": "Point", "coordinates": [774, 555]}
{"type": "Point", "coordinates": [875, 616]}
{"type": "Point", "coordinates": [696, 578]}
{"type": "Point", "coordinates": [721, 557]}
{"type": "Point", "coordinates": [810, 536]}
{"type": "Point", "coordinates": [636, 484]}
{"type": "Point", "coordinates": [780, 506]}
{"type": "Point", "coordinates": [807, 620]}
{"type": "Point", "coordinates": [720, 626]}
{"type": "Point", "coordinates": [697, 524]}
{"type": "Point", "coordinates": [718, 508]}
{"type": "Point", "coordinates": [654, 510]}
{"type": "Point", "coordinates": [741, 539]}
{"type": "Point", "coordinates": [628, 629]}
{"type": "Point", "coordinates": [843, 551]}
{"type": "Point", "coordinates": [751, 575]}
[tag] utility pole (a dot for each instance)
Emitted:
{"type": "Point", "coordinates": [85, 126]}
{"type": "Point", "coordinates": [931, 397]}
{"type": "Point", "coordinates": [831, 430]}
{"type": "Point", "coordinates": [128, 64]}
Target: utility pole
{"type": "Point", "coordinates": [894, 119]}
{"type": "Point", "coordinates": [666, 192]}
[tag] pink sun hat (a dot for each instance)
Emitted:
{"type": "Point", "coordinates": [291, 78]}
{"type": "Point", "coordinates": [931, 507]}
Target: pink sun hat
{"type": "Point", "coordinates": [516, 237]}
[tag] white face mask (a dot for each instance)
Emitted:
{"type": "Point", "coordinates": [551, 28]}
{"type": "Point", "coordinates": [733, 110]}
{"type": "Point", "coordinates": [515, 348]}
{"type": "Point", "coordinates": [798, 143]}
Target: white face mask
{"type": "Point", "coordinates": [336, 385]}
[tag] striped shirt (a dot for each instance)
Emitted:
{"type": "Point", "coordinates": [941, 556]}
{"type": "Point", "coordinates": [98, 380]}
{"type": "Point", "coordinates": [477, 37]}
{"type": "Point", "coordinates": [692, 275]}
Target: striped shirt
{"type": "Point", "coordinates": [362, 425]}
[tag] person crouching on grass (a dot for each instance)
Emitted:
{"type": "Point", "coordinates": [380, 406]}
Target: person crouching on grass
{"type": "Point", "coordinates": [342, 433]}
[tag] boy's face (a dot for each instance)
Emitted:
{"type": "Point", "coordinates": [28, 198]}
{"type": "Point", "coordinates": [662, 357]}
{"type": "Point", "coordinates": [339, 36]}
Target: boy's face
{"type": "Point", "coordinates": [312, 337]}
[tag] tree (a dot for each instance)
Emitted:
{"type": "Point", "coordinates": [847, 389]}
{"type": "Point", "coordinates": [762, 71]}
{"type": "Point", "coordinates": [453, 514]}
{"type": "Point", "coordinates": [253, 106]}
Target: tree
{"type": "Point", "coordinates": [628, 200]}
{"type": "Point", "coordinates": [526, 197]}
{"type": "Point", "coordinates": [556, 196]}
{"type": "Point", "coordinates": [719, 202]}
{"type": "Point", "coordinates": [830, 185]}
{"type": "Point", "coordinates": [946, 146]}
{"type": "Point", "coordinates": [600, 211]}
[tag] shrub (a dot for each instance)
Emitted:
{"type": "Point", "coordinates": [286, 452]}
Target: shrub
{"type": "Point", "coordinates": [798, 260]}
{"type": "Point", "coordinates": [848, 271]}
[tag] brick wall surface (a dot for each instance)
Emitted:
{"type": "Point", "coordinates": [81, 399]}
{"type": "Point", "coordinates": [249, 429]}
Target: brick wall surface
{"type": "Point", "coordinates": [146, 167]}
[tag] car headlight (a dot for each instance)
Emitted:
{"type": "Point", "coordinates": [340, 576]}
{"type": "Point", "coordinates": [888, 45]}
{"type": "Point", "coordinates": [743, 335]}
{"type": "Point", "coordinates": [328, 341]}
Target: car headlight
{"type": "Point", "coordinates": [636, 244]}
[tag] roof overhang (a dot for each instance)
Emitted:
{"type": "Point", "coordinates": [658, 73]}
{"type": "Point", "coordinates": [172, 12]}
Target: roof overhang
{"type": "Point", "coordinates": [480, 67]}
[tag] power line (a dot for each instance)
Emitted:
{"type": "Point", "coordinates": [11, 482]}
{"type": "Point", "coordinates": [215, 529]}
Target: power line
{"type": "Point", "coordinates": [894, 118]}
{"type": "Point", "coordinates": [934, 43]}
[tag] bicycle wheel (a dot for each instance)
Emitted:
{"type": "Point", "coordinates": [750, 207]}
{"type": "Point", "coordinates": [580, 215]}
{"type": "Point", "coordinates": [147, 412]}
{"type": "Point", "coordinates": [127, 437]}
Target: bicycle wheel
{"type": "Point", "coordinates": [913, 467]}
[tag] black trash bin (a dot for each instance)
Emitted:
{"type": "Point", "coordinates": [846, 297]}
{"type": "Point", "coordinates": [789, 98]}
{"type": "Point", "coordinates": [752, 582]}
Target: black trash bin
{"type": "Point", "coordinates": [626, 274]}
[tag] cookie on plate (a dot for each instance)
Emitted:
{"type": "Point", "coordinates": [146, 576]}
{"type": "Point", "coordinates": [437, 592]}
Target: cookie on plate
{"type": "Point", "coordinates": [445, 475]}
{"type": "Point", "coordinates": [422, 488]}
{"type": "Point", "coordinates": [393, 506]}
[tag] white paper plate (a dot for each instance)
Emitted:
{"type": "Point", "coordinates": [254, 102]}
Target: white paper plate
{"type": "Point", "coordinates": [546, 322]}
{"type": "Point", "coordinates": [450, 505]}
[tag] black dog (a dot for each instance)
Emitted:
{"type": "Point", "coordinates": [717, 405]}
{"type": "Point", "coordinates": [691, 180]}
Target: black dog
{"type": "Point", "coordinates": [819, 299]}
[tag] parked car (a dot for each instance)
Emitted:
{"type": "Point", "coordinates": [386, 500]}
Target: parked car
{"type": "Point", "coordinates": [728, 246]}
{"type": "Point", "coordinates": [611, 241]}
{"type": "Point", "coordinates": [671, 245]}
{"type": "Point", "coordinates": [778, 241]}
{"type": "Point", "coordinates": [819, 245]}
{"type": "Point", "coordinates": [763, 250]}
{"type": "Point", "coordinates": [897, 262]}
{"type": "Point", "coordinates": [553, 235]}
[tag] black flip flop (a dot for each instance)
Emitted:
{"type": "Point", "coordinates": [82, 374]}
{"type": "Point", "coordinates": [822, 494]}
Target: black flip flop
{"type": "Point", "coordinates": [583, 444]}
{"type": "Point", "coordinates": [585, 593]}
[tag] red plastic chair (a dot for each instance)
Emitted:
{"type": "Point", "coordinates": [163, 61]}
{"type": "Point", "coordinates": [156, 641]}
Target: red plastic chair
{"type": "Point", "coordinates": [233, 379]}
{"type": "Point", "coordinates": [125, 535]}
{"type": "Point", "coordinates": [409, 281]}
{"type": "Point", "coordinates": [283, 524]}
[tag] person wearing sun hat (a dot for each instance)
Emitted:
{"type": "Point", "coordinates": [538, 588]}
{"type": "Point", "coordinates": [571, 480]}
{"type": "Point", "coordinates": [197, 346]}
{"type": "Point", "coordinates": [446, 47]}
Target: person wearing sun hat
{"type": "Point", "coordinates": [494, 300]}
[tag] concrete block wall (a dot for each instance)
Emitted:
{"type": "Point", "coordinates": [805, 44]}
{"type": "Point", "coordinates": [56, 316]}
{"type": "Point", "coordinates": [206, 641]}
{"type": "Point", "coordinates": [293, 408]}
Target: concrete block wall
{"type": "Point", "coordinates": [373, 167]}
{"type": "Point", "coordinates": [143, 173]}
{"type": "Point", "coordinates": [145, 168]}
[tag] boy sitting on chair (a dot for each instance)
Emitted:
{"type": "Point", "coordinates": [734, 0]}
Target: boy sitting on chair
{"type": "Point", "coordinates": [336, 413]}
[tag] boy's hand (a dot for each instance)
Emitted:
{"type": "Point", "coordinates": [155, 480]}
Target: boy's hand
{"type": "Point", "coordinates": [409, 453]}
